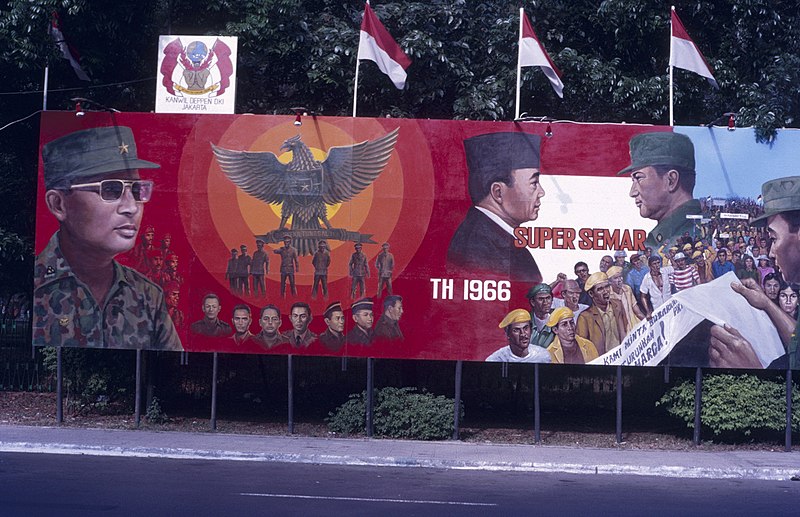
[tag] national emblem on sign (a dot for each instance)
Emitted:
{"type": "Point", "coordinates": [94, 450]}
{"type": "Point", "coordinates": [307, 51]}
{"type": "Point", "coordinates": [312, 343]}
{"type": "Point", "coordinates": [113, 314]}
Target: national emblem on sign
{"type": "Point", "coordinates": [305, 187]}
{"type": "Point", "coordinates": [195, 69]}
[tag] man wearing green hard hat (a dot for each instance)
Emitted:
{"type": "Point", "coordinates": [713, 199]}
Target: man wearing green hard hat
{"type": "Point", "coordinates": [662, 171]}
{"type": "Point", "coordinates": [729, 349]}
{"type": "Point", "coordinates": [82, 296]}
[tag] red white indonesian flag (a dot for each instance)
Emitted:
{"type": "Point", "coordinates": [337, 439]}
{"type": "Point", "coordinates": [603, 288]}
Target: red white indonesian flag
{"type": "Point", "coordinates": [376, 44]}
{"type": "Point", "coordinates": [683, 53]}
{"type": "Point", "coordinates": [532, 53]}
{"type": "Point", "coordinates": [67, 50]}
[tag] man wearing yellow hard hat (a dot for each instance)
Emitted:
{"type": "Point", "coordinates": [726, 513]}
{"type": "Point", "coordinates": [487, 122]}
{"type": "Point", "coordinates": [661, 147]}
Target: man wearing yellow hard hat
{"type": "Point", "coordinates": [604, 323]}
{"type": "Point", "coordinates": [517, 325]}
{"type": "Point", "coordinates": [568, 348]}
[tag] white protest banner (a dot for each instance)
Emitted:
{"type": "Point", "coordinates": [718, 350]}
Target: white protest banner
{"type": "Point", "coordinates": [651, 341]}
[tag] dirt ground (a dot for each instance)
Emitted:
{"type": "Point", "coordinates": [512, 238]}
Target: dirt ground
{"type": "Point", "coordinates": [27, 408]}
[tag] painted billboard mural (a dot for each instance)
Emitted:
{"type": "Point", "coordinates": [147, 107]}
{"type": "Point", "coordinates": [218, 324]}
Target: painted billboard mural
{"type": "Point", "coordinates": [422, 239]}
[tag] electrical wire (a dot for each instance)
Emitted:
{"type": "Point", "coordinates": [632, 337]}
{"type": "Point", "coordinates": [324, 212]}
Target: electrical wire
{"type": "Point", "coordinates": [20, 120]}
{"type": "Point", "coordinates": [92, 87]}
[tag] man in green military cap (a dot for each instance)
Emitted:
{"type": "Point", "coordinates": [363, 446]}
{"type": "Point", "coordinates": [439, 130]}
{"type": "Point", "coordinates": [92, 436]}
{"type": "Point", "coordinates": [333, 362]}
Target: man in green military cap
{"type": "Point", "coordinates": [82, 296]}
{"type": "Point", "coordinates": [729, 349]}
{"type": "Point", "coordinates": [540, 298]}
{"type": "Point", "coordinates": [663, 172]}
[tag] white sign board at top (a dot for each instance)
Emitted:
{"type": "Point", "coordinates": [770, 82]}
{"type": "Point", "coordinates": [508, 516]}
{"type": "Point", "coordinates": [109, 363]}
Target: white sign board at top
{"type": "Point", "coordinates": [196, 74]}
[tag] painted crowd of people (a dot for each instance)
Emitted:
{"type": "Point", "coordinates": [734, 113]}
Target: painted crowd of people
{"type": "Point", "coordinates": [577, 320]}
{"type": "Point", "coordinates": [364, 330]}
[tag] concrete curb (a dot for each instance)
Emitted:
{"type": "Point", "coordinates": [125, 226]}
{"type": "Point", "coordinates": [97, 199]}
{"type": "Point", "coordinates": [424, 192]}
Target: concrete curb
{"type": "Point", "coordinates": [762, 473]}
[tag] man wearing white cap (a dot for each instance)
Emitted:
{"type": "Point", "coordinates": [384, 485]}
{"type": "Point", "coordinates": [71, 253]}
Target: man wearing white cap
{"type": "Point", "coordinates": [517, 325]}
{"type": "Point", "coordinates": [683, 277]}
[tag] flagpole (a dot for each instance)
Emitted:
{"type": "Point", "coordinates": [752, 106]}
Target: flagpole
{"type": "Point", "coordinates": [671, 116]}
{"type": "Point", "coordinates": [44, 94]}
{"type": "Point", "coordinates": [355, 87]}
{"type": "Point", "coordinates": [358, 62]}
{"type": "Point", "coordinates": [519, 54]}
{"type": "Point", "coordinates": [671, 68]}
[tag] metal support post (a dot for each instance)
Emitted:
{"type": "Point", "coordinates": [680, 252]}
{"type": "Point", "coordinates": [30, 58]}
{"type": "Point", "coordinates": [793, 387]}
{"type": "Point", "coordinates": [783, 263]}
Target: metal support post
{"type": "Point", "coordinates": [214, 371]}
{"type": "Point", "coordinates": [59, 388]}
{"type": "Point", "coordinates": [457, 401]}
{"type": "Point", "coordinates": [537, 409]}
{"type": "Point", "coordinates": [788, 446]}
{"type": "Point", "coordinates": [698, 400]}
{"type": "Point", "coordinates": [137, 405]}
{"type": "Point", "coordinates": [370, 397]}
{"type": "Point", "coordinates": [290, 393]}
{"type": "Point", "coordinates": [619, 404]}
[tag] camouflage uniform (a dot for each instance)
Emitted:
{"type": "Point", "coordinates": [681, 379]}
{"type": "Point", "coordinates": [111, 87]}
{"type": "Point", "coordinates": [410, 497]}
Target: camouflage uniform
{"type": "Point", "coordinates": [133, 315]}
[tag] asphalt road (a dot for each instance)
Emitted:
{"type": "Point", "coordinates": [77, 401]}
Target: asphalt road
{"type": "Point", "coordinates": [65, 485]}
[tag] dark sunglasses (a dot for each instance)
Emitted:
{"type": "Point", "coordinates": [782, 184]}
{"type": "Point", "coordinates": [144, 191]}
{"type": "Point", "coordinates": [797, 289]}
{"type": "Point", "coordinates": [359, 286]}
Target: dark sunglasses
{"type": "Point", "coordinates": [112, 190]}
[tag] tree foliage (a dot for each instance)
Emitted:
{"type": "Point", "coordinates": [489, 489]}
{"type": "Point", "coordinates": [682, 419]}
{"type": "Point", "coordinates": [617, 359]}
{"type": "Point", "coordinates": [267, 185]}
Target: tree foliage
{"type": "Point", "coordinates": [613, 55]}
{"type": "Point", "coordinates": [734, 405]}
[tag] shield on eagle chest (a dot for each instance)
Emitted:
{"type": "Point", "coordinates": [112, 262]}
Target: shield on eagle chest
{"type": "Point", "coordinates": [304, 187]}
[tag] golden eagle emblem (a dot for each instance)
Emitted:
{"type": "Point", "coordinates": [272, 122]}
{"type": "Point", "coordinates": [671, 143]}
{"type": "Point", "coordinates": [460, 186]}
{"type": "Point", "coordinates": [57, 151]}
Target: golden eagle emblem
{"type": "Point", "coordinates": [304, 187]}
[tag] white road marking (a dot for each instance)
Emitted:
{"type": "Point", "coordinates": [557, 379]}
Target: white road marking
{"type": "Point", "coordinates": [367, 499]}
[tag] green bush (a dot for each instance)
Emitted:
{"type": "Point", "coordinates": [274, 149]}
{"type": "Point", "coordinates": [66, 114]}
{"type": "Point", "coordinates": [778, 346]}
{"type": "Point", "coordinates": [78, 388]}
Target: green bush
{"type": "Point", "coordinates": [399, 413]}
{"type": "Point", "coordinates": [156, 415]}
{"type": "Point", "coordinates": [94, 379]}
{"type": "Point", "coordinates": [735, 404]}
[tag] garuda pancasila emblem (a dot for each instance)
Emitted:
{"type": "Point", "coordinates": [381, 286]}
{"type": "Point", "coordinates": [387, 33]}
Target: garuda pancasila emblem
{"type": "Point", "coordinates": [304, 187]}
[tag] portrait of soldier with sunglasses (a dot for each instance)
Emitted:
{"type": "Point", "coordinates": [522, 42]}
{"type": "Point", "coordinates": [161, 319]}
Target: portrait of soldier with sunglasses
{"type": "Point", "coordinates": [82, 296]}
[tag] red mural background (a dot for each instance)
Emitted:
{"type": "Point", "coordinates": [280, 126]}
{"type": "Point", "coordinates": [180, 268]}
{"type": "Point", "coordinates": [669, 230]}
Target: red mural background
{"type": "Point", "coordinates": [415, 204]}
